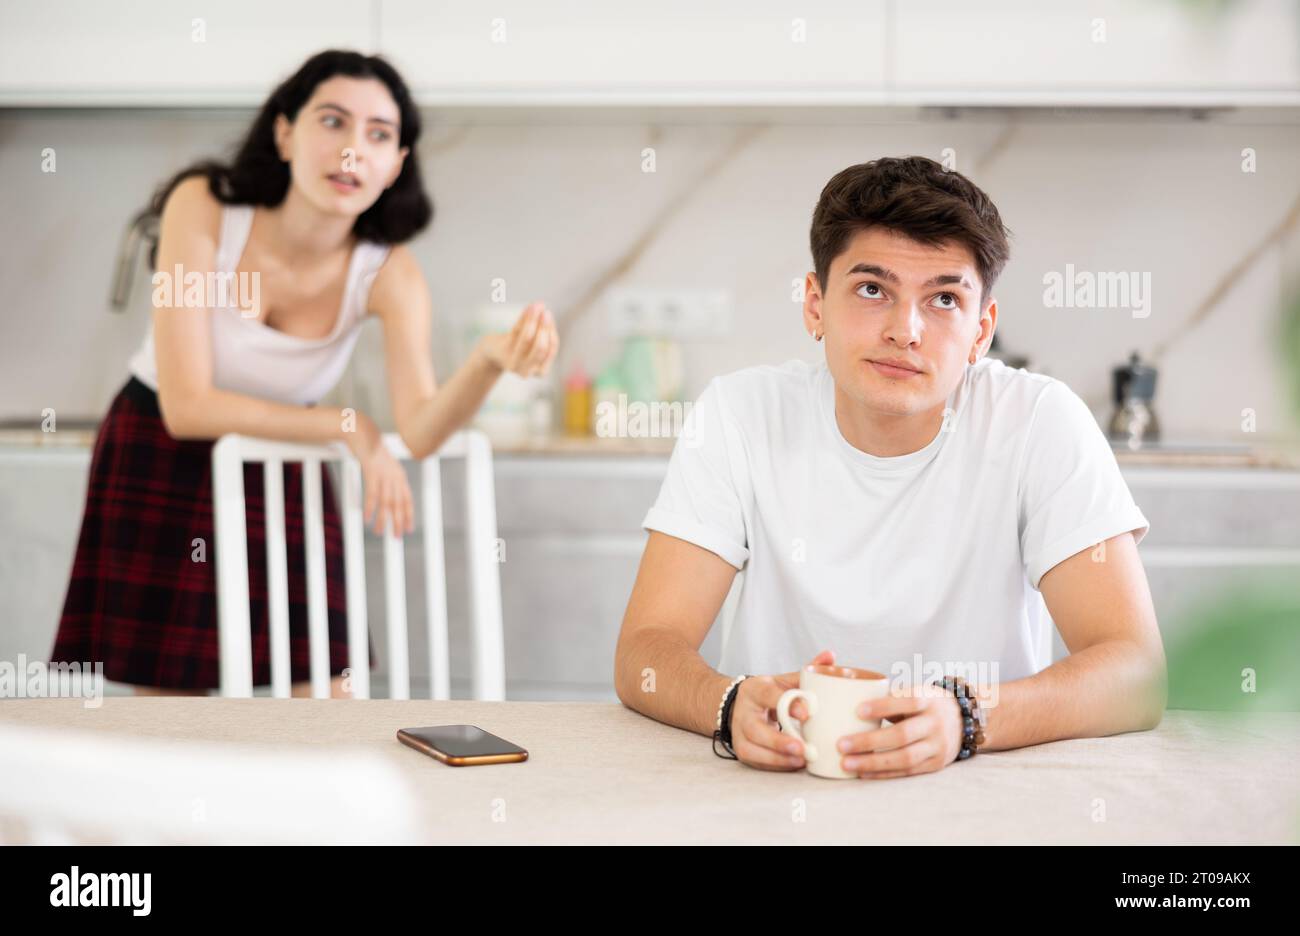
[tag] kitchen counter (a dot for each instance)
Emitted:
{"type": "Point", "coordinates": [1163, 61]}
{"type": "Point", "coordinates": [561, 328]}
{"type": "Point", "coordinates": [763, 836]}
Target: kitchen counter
{"type": "Point", "coordinates": [1191, 455]}
{"type": "Point", "coordinates": [599, 772]}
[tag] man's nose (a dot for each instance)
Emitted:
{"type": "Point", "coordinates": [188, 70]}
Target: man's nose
{"type": "Point", "coordinates": [904, 324]}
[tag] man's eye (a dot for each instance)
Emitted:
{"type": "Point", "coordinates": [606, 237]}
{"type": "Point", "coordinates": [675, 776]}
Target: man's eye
{"type": "Point", "coordinates": [952, 302]}
{"type": "Point", "coordinates": [869, 295]}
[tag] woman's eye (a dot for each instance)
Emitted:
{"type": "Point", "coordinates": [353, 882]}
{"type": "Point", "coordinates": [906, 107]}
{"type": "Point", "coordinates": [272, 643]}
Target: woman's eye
{"type": "Point", "coordinates": [870, 286]}
{"type": "Point", "coordinates": [380, 136]}
{"type": "Point", "coordinates": [331, 121]}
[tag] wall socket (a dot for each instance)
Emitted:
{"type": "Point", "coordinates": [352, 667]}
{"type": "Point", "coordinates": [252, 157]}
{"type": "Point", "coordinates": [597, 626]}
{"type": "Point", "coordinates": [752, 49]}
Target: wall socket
{"type": "Point", "coordinates": [670, 313]}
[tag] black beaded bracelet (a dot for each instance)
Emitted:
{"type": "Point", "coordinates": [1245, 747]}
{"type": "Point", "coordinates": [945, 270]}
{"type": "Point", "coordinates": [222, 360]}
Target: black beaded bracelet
{"type": "Point", "coordinates": [972, 716]}
{"type": "Point", "coordinates": [722, 733]}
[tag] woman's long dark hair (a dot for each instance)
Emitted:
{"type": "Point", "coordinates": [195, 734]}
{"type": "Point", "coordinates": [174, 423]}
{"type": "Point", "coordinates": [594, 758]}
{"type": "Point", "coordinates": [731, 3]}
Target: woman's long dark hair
{"type": "Point", "coordinates": [257, 175]}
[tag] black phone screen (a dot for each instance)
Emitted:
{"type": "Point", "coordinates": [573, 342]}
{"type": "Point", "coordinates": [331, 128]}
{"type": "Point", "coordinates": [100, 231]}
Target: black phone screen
{"type": "Point", "coordinates": [464, 740]}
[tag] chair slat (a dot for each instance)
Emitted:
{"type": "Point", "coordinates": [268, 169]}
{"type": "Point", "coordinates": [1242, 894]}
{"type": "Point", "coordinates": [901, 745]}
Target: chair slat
{"type": "Point", "coordinates": [277, 578]}
{"type": "Point", "coordinates": [231, 549]}
{"type": "Point", "coordinates": [435, 579]}
{"type": "Point", "coordinates": [484, 570]}
{"type": "Point", "coordinates": [317, 596]}
{"type": "Point", "coordinates": [399, 671]}
{"type": "Point", "coordinates": [354, 567]}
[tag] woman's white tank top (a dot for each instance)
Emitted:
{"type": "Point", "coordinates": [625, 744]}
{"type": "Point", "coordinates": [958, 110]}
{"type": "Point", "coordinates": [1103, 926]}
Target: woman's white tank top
{"type": "Point", "coordinates": [252, 358]}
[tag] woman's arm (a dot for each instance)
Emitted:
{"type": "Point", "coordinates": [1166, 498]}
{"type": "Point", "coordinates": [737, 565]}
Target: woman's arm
{"type": "Point", "coordinates": [192, 408]}
{"type": "Point", "coordinates": [426, 415]}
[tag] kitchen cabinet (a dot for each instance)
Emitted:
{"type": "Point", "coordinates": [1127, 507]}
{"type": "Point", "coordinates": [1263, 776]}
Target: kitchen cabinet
{"type": "Point", "coordinates": [676, 52]}
{"type": "Point", "coordinates": [156, 52]}
{"type": "Point", "coordinates": [568, 50]}
{"type": "Point", "coordinates": [1092, 51]}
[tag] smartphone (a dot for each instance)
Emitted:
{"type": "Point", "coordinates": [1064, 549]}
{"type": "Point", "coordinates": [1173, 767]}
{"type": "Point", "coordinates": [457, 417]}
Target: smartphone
{"type": "Point", "coordinates": [461, 745]}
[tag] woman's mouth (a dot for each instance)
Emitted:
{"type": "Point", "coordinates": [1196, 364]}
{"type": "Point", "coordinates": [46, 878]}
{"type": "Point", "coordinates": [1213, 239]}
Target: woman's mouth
{"type": "Point", "coordinates": [344, 181]}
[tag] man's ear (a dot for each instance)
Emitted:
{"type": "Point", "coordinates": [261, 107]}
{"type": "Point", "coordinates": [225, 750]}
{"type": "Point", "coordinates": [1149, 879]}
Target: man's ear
{"type": "Point", "coordinates": [812, 306]}
{"type": "Point", "coordinates": [988, 325]}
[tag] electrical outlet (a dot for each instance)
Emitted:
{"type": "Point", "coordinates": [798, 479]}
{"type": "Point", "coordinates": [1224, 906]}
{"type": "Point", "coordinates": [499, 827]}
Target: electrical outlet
{"type": "Point", "coordinates": [670, 313]}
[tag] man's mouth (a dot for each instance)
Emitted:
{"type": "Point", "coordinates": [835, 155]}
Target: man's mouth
{"type": "Point", "coordinates": [895, 367]}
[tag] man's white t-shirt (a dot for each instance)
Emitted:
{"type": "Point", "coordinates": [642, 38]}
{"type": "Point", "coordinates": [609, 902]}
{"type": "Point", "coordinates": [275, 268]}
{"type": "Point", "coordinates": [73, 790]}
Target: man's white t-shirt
{"type": "Point", "coordinates": [938, 552]}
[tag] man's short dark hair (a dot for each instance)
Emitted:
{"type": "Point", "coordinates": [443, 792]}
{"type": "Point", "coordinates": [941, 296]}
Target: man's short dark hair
{"type": "Point", "coordinates": [914, 196]}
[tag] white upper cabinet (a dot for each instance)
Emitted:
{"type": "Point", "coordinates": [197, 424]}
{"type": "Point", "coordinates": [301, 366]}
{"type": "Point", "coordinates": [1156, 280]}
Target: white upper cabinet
{"type": "Point", "coordinates": [158, 52]}
{"type": "Point", "coordinates": [518, 51]}
{"type": "Point", "coordinates": [1105, 51]}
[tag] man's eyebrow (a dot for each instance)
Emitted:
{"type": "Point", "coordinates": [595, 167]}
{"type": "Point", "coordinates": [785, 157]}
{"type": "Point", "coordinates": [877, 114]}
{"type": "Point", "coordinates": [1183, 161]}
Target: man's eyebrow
{"type": "Point", "coordinates": [348, 113]}
{"type": "Point", "coordinates": [874, 271]}
{"type": "Point", "coordinates": [948, 279]}
{"type": "Point", "coordinates": [944, 279]}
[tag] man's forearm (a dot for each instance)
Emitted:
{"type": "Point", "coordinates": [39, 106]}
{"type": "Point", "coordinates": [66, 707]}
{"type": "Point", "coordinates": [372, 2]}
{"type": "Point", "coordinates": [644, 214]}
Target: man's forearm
{"type": "Point", "coordinates": [660, 675]}
{"type": "Point", "coordinates": [1112, 687]}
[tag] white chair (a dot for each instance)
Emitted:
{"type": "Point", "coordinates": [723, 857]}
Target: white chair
{"type": "Point", "coordinates": [64, 786]}
{"type": "Point", "coordinates": [228, 458]}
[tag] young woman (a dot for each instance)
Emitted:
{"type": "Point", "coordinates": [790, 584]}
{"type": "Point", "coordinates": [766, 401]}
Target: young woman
{"type": "Point", "coordinates": [309, 219]}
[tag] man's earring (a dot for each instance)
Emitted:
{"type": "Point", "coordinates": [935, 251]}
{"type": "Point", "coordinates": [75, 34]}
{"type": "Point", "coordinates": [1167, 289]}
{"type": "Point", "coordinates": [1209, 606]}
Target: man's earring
{"type": "Point", "coordinates": [817, 335]}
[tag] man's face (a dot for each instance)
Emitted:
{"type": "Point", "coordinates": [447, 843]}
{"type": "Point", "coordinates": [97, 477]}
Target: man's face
{"type": "Point", "coordinates": [889, 298]}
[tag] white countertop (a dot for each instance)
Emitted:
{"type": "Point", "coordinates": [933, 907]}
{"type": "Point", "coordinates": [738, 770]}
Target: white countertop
{"type": "Point", "coordinates": [1195, 456]}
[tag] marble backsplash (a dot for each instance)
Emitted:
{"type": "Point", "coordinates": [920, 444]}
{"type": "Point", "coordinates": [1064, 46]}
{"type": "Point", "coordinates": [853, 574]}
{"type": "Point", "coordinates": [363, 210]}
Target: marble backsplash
{"type": "Point", "coordinates": [558, 207]}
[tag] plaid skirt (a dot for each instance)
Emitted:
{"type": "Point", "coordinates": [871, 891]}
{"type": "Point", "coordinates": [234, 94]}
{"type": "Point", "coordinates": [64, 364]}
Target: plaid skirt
{"type": "Point", "coordinates": [142, 598]}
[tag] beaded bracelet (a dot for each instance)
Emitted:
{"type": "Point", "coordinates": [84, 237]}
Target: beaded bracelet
{"type": "Point", "coordinates": [973, 718]}
{"type": "Point", "coordinates": [722, 730]}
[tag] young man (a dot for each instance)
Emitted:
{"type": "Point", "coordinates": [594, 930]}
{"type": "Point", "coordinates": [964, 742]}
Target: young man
{"type": "Point", "coordinates": [909, 504]}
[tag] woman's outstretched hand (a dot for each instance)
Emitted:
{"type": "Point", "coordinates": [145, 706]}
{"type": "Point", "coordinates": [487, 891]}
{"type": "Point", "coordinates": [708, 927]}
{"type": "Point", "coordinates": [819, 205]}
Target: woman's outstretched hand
{"type": "Point", "coordinates": [529, 347]}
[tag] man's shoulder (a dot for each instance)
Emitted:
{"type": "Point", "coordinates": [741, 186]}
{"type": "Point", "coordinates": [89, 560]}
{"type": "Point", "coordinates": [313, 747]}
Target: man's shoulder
{"type": "Point", "coordinates": [755, 390]}
{"type": "Point", "coordinates": [1028, 409]}
{"type": "Point", "coordinates": [1011, 391]}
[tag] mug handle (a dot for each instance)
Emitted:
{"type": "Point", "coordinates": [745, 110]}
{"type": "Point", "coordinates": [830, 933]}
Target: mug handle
{"type": "Point", "coordinates": [790, 725]}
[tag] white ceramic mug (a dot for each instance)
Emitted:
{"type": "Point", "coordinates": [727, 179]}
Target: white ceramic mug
{"type": "Point", "coordinates": [832, 695]}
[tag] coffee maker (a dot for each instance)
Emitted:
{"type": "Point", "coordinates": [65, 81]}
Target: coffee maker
{"type": "Point", "coordinates": [1134, 422]}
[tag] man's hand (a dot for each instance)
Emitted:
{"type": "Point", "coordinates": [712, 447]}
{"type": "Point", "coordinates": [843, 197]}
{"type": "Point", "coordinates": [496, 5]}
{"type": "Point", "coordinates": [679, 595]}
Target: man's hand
{"type": "Point", "coordinates": [924, 734]}
{"type": "Point", "coordinates": [755, 735]}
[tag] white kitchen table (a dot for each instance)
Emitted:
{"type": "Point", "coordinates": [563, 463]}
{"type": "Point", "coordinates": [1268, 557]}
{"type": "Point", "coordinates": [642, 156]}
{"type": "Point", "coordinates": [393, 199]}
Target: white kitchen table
{"type": "Point", "coordinates": [599, 772]}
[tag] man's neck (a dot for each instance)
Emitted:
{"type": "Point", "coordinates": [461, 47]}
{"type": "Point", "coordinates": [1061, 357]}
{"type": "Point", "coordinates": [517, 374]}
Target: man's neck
{"type": "Point", "coordinates": [885, 435]}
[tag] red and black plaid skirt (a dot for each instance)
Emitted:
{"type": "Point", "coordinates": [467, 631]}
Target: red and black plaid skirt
{"type": "Point", "coordinates": [142, 598]}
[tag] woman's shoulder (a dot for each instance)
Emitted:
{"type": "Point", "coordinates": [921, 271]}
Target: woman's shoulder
{"type": "Point", "coordinates": [191, 207]}
{"type": "Point", "coordinates": [397, 281]}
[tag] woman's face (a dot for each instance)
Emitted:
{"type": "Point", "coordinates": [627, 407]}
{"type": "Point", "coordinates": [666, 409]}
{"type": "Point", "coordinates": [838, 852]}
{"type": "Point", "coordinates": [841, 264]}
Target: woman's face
{"type": "Point", "coordinates": [343, 147]}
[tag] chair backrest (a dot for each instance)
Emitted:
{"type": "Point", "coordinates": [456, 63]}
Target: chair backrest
{"type": "Point", "coordinates": [67, 786]}
{"type": "Point", "coordinates": [481, 550]}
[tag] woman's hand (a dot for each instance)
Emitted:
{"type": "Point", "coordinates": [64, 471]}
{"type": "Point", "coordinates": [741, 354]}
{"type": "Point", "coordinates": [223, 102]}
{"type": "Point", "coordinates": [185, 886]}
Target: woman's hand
{"type": "Point", "coordinates": [383, 480]}
{"type": "Point", "coordinates": [529, 347]}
